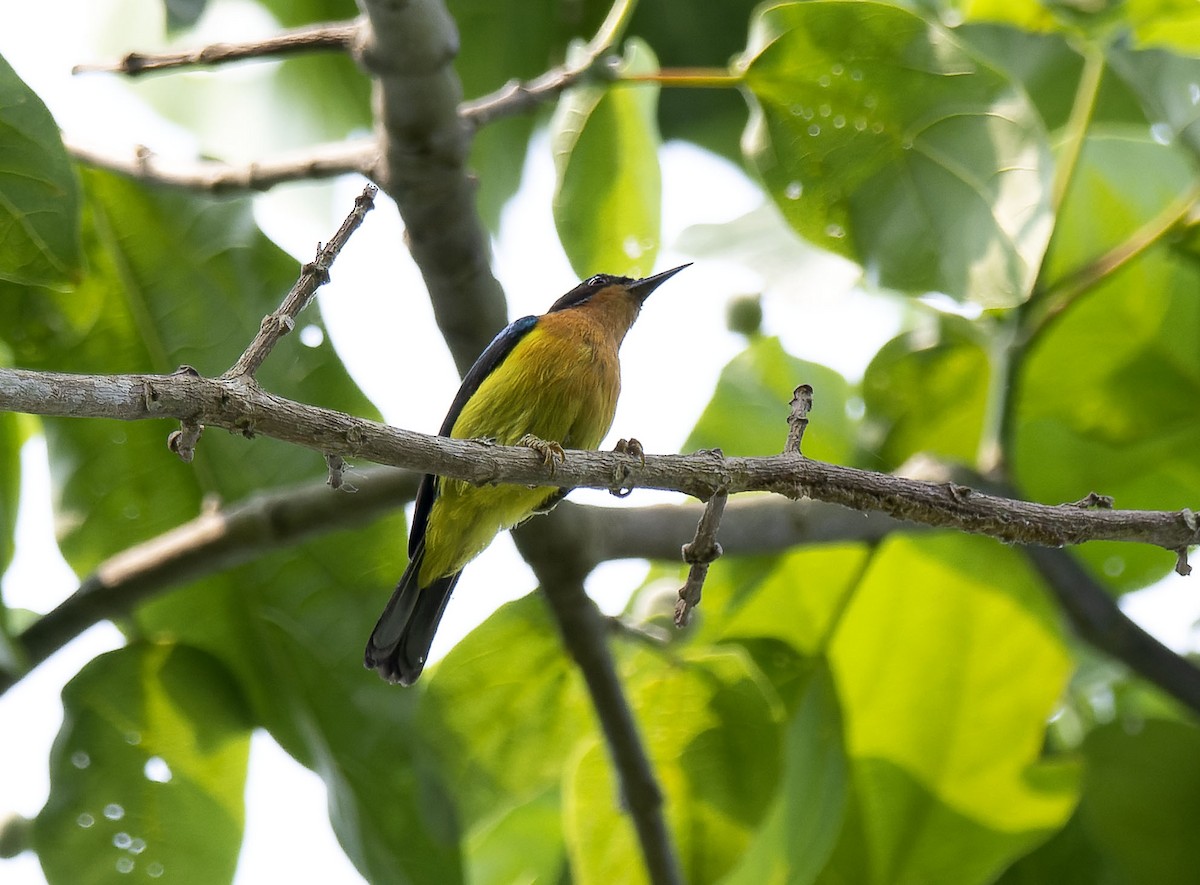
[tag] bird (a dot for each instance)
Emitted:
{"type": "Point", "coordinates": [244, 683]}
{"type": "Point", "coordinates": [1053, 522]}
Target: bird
{"type": "Point", "coordinates": [546, 382]}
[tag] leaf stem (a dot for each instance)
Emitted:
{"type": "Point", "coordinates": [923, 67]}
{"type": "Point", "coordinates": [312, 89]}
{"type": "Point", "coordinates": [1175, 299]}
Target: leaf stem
{"type": "Point", "coordinates": [1077, 124]}
{"type": "Point", "coordinates": [612, 29]}
{"type": "Point", "coordinates": [688, 78]}
{"type": "Point", "coordinates": [1014, 332]}
{"type": "Point", "coordinates": [1055, 299]}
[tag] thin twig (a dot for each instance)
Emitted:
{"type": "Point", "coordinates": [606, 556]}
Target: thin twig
{"type": "Point", "coordinates": [801, 405]}
{"type": "Point", "coordinates": [336, 479]}
{"type": "Point", "coordinates": [517, 97]}
{"type": "Point", "coordinates": [1082, 108]}
{"type": "Point", "coordinates": [275, 325]}
{"type": "Point", "coordinates": [215, 177]}
{"type": "Point", "coordinates": [311, 38]}
{"type": "Point", "coordinates": [700, 553]}
{"type": "Point", "coordinates": [323, 161]}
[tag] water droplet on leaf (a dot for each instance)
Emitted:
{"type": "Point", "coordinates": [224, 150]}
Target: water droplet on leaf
{"type": "Point", "coordinates": [312, 336]}
{"type": "Point", "coordinates": [157, 770]}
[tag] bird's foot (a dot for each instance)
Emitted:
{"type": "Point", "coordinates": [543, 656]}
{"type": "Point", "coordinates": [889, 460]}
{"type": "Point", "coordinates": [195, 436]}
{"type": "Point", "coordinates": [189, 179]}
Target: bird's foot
{"type": "Point", "coordinates": [632, 448]}
{"type": "Point", "coordinates": [548, 449]}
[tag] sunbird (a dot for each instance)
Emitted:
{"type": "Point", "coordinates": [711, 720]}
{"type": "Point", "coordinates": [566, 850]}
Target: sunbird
{"type": "Point", "coordinates": [548, 382]}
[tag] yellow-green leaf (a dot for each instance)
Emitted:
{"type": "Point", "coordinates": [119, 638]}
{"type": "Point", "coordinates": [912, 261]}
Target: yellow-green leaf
{"type": "Point", "coordinates": [607, 203]}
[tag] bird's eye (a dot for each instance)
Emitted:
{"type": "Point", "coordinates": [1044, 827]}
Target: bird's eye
{"type": "Point", "coordinates": [596, 280]}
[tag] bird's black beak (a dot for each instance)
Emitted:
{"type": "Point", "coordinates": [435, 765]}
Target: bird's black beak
{"type": "Point", "coordinates": [641, 289]}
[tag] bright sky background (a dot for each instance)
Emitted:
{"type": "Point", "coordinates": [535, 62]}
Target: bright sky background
{"type": "Point", "coordinates": [670, 363]}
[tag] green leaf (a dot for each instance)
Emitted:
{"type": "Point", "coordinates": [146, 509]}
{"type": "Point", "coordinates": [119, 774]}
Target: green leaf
{"type": "Point", "coordinates": [1029, 15]}
{"type": "Point", "coordinates": [183, 14]}
{"type": "Point", "coordinates": [1141, 799]}
{"type": "Point", "coordinates": [173, 280]}
{"type": "Point", "coordinates": [1129, 340]}
{"type": "Point", "coordinates": [1174, 24]}
{"type": "Point", "coordinates": [798, 601]}
{"type": "Point", "coordinates": [181, 280]}
{"type": "Point", "coordinates": [710, 725]}
{"type": "Point", "coordinates": [801, 828]}
{"type": "Point", "coordinates": [1046, 65]}
{"type": "Point", "coordinates": [1168, 88]}
{"type": "Point", "coordinates": [39, 198]}
{"type": "Point", "coordinates": [1135, 818]}
{"type": "Point", "coordinates": [747, 414]}
{"type": "Point", "coordinates": [511, 669]}
{"type": "Point", "coordinates": [608, 197]}
{"type": "Point", "coordinates": [1067, 858]}
{"type": "Point", "coordinates": [291, 627]}
{"type": "Point", "coordinates": [522, 844]}
{"type": "Point", "coordinates": [882, 138]}
{"type": "Point", "coordinates": [148, 771]}
{"type": "Point", "coordinates": [927, 391]}
{"type": "Point", "coordinates": [948, 660]}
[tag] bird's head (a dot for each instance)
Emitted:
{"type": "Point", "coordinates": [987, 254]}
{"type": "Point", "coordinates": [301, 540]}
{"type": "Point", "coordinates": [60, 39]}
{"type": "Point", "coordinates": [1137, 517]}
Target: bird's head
{"type": "Point", "coordinates": [606, 286]}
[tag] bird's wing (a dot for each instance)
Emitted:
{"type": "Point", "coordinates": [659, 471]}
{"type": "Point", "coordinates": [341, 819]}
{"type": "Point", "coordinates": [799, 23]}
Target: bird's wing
{"type": "Point", "coordinates": [493, 355]}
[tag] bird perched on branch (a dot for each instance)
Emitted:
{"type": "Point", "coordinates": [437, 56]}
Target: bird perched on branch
{"type": "Point", "coordinates": [546, 382]}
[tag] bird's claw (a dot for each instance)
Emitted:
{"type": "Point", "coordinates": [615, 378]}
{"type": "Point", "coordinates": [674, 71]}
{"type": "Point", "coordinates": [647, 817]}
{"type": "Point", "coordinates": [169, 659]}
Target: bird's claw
{"type": "Point", "coordinates": [632, 448]}
{"type": "Point", "coordinates": [548, 449]}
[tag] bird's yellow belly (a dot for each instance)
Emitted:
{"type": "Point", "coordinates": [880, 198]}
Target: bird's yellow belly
{"type": "Point", "coordinates": [465, 519]}
{"type": "Point", "coordinates": [530, 393]}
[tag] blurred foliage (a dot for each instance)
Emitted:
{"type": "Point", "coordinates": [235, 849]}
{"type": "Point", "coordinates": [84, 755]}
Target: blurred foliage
{"type": "Point", "coordinates": [910, 711]}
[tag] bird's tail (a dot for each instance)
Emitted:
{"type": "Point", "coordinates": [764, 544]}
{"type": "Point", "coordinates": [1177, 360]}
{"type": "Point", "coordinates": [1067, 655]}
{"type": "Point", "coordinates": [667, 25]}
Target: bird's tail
{"type": "Point", "coordinates": [400, 642]}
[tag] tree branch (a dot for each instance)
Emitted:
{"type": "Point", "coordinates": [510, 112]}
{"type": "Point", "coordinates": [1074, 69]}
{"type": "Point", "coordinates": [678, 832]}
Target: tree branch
{"type": "Point", "coordinates": [212, 542]}
{"type": "Point", "coordinates": [247, 409]}
{"type": "Point", "coordinates": [359, 156]}
{"type": "Point", "coordinates": [311, 38]}
{"type": "Point", "coordinates": [1100, 622]}
{"type": "Point", "coordinates": [584, 633]}
{"type": "Point", "coordinates": [224, 538]}
{"type": "Point", "coordinates": [418, 156]}
{"type": "Point", "coordinates": [409, 50]}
